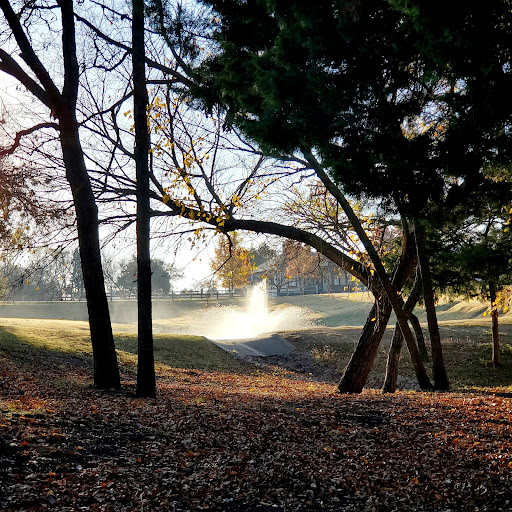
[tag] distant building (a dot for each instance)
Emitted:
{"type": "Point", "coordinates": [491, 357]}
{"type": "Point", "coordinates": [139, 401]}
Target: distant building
{"type": "Point", "coordinates": [334, 279]}
{"type": "Point", "coordinates": [326, 277]}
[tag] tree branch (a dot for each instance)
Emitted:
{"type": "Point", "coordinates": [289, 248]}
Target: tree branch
{"type": "Point", "coordinates": [10, 150]}
{"type": "Point", "coordinates": [11, 67]}
{"type": "Point", "coordinates": [71, 74]}
{"type": "Point", "coordinates": [345, 262]}
{"type": "Point", "coordinates": [28, 54]}
{"type": "Point", "coordinates": [151, 63]}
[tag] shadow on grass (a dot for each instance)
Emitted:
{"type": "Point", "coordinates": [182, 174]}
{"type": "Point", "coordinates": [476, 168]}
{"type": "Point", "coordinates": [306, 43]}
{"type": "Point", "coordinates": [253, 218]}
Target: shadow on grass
{"type": "Point", "coordinates": [32, 348]}
{"type": "Point", "coordinates": [72, 348]}
{"type": "Point", "coordinates": [466, 349]}
{"type": "Point", "coordinates": [473, 368]}
{"type": "Point", "coordinates": [187, 352]}
{"type": "Point", "coordinates": [47, 357]}
{"type": "Point", "coordinates": [467, 353]}
{"type": "Point", "coordinates": [467, 356]}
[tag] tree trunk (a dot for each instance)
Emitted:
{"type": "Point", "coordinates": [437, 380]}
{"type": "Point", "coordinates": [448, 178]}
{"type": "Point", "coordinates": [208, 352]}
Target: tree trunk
{"type": "Point", "coordinates": [395, 348]}
{"type": "Point", "coordinates": [412, 300]}
{"type": "Point", "coordinates": [420, 339]}
{"type": "Point", "coordinates": [146, 381]}
{"type": "Point", "coordinates": [63, 107]}
{"type": "Point", "coordinates": [386, 283]}
{"type": "Point", "coordinates": [438, 368]}
{"type": "Point", "coordinates": [419, 368]}
{"type": "Point", "coordinates": [393, 362]}
{"type": "Point", "coordinates": [356, 373]}
{"type": "Point", "coordinates": [106, 370]}
{"type": "Point", "coordinates": [496, 360]}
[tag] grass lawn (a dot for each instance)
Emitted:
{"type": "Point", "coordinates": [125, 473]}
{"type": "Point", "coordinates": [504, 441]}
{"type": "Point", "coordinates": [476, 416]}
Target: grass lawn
{"type": "Point", "coordinates": [67, 340]}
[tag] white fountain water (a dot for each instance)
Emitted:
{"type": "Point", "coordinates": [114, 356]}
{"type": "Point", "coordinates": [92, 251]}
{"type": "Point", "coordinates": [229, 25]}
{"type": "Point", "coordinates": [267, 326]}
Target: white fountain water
{"type": "Point", "coordinates": [237, 323]}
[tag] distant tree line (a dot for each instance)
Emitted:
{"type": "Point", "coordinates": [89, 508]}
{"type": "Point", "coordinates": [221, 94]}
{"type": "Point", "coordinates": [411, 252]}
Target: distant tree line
{"type": "Point", "coordinates": [57, 275]}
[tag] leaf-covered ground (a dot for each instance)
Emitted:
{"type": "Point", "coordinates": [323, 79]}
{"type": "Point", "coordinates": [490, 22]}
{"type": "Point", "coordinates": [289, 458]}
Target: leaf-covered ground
{"type": "Point", "coordinates": [258, 439]}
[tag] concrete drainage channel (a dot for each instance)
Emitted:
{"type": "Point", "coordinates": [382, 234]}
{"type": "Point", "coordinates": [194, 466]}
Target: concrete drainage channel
{"type": "Point", "coordinates": [264, 345]}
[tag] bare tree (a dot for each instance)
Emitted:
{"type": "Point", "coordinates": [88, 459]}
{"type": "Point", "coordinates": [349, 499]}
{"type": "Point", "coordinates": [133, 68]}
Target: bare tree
{"type": "Point", "coordinates": [146, 386]}
{"type": "Point", "coordinates": [61, 104]}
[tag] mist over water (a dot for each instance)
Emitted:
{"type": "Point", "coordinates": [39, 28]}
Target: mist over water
{"type": "Point", "coordinates": [235, 323]}
{"type": "Point", "coordinates": [218, 322]}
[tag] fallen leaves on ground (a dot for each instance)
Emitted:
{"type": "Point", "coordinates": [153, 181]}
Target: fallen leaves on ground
{"type": "Point", "coordinates": [245, 442]}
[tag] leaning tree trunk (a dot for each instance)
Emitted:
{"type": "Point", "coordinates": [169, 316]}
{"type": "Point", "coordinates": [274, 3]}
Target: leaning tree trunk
{"type": "Point", "coordinates": [419, 368]}
{"type": "Point", "coordinates": [106, 370]}
{"type": "Point", "coordinates": [393, 362]}
{"type": "Point", "coordinates": [438, 368]}
{"type": "Point", "coordinates": [395, 348]}
{"type": "Point", "coordinates": [420, 338]}
{"type": "Point", "coordinates": [146, 385]}
{"type": "Point", "coordinates": [356, 373]}
{"type": "Point", "coordinates": [387, 284]}
{"type": "Point", "coordinates": [496, 360]}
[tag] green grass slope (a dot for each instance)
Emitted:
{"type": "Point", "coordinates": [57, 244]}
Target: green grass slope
{"type": "Point", "coordinates": [23, 340]}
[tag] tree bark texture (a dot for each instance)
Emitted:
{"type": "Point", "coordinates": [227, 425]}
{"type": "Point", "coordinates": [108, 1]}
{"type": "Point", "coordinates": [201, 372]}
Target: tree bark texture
{"type": "Point", "coordinates": [393, 362]}
{"type": "Point", "coordinates": [356, 372]}
{"type": "Point", "coordinates": [438, 369]}
{"type": "Point", "coordinates": [412, 300]}
{"type": "Point", "coordinates": [146, 381]}
{"type": "Point", "coordinates": [496, 359]}
{"type": "Point", "coordinates": [106, 370]}
{"type": "Point", "coordinates": [420, 338]}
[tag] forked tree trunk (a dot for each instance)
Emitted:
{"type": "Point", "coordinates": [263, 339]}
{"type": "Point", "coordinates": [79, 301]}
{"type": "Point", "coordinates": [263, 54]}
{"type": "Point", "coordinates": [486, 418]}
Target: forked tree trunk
{"type": "Point", "coordinates": [146, 381]}
{"type": "Point", "coordinates": [388, 285]}
{"type": "Point", "coordinates": [419, 368]}
{"type": "Point", "coordinates": [438, 368]}
{"type": "Point", "coordinates": [393, 362]}
{"type": "Point", "coordinates": [356, 373]}
{"type": "Point", "coordinates": [496, 359]}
